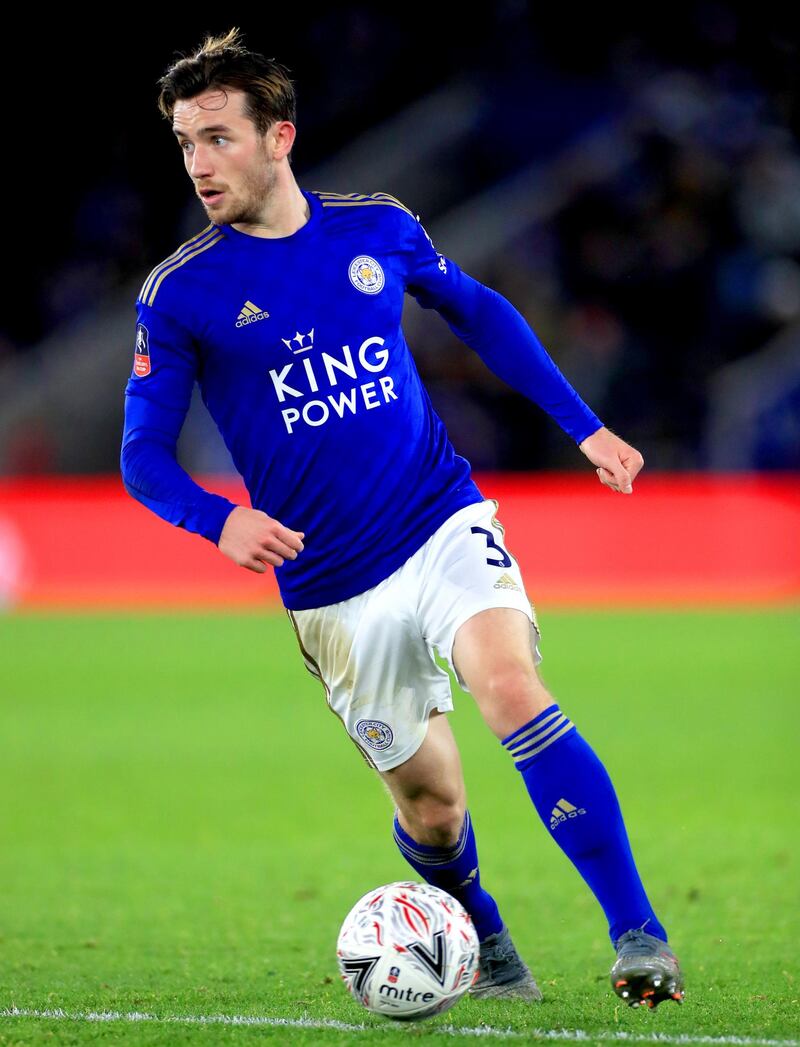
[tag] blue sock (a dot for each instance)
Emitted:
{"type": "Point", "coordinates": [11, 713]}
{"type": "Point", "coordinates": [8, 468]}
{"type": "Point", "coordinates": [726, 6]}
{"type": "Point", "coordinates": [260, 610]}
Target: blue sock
{"type": "Point", "coordinates": [573, 795]}
{"type": "Point", "coordinates": [455, 870]}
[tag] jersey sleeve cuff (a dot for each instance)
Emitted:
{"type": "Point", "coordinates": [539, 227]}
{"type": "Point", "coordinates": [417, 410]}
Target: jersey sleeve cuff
{"type": "Point", "coordinates": [590, 426]}
{"type": "Point", "coordinates": [215, 513]}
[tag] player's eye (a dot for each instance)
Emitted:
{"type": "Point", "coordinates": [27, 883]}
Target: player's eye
{"type": "Point", "coordinates": [183, 145]}
{"type": "Point", "coordinates": [219, 138]}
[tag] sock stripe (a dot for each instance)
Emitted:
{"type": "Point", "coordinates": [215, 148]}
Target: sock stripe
{"type": "Point", "coordinates": [534, 730]}
{"type": "Point", "coordinates": [526, 754]}
{"type": "Point", "coordinates": [532, 725]}
{"type": "Point", "coordinates": [539, 738]}
{"type": "Point", "coordinates": [536, 734]}
{"type": "Point", "coordinates": [575, 798]}
{"type": "Point", "coordinates": [432, 855]}
{"type": "Point", "coordinates": [454, 869]}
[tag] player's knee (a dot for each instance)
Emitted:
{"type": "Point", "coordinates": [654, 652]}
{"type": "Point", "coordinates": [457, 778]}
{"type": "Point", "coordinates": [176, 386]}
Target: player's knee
{"type": "Point", "coordinates": [435, 822]}
{"type": "Point", "coordinates": [516, 686]}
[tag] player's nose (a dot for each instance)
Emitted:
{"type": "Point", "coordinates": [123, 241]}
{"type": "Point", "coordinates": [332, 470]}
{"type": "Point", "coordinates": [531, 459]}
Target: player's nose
{"type": "Point", "coordinates": [200, 167]}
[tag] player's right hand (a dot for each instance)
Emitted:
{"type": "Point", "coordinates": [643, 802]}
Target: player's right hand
{"type": "Point", "coordinates": [254, 540]}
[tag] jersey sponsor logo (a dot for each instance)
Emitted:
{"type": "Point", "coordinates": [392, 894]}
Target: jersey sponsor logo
{"type": "Point", "coordinates": [366, 274]}
{"type": "Point", "coordinates": [301, 343]}
{"type": "Point", "coordinates": [141, 356]}
{"type": "Point", "coordinates": [250, 314]}
{"type": "Point", "coordinates": [322, 373]}
{"type": "Point", "coordinates": [376, 733]}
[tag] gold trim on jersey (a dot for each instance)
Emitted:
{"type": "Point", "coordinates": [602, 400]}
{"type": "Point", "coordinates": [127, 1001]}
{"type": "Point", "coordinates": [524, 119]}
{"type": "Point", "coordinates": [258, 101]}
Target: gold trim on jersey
{"type": "Point", "coordinates": [495, 521]}
{"type": "Point", "coordinates": [182, 261]}
{"type": "Point", "coordinates": [340, 196]}
{"type": "Point", "coordinates": [204, 234]}
{"type": "Point", "coordinates": [360, 199]}
{"type": "Point", "coordinates": [497, 525]}
{"type": "Point", "coordinates": [316, 672]}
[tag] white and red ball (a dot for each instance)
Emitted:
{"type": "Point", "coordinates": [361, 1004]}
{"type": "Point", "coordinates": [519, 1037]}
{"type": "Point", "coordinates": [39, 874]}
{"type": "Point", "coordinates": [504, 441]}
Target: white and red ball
{"type": "Point", "coordinates": [408, 950]}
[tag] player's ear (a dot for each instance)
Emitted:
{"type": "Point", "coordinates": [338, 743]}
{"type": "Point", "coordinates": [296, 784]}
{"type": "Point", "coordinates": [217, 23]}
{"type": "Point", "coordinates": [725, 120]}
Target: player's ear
{"type": "Point", "coordinates": [280, 138]}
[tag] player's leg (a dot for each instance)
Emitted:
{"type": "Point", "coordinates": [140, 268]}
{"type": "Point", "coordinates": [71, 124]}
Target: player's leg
{"type": "Point", "coordinates": [432, 827]}
{"type": "Point", "coordinates": [478, 616]}
{"type": "Point", "coordinates": [433, 830]}
{"type": "Point", "coordinates": [382, 681]}
{"type": "Point", "coordinates": [428, 789]}
{"type": "Point", "coordinates": [566, 781]}
{"type": "Point", "coordinates": [571, 791]}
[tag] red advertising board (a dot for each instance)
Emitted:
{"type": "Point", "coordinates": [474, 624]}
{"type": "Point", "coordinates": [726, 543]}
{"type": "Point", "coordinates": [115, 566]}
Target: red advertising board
{"type": "Point", "coordinates": [678, 539]}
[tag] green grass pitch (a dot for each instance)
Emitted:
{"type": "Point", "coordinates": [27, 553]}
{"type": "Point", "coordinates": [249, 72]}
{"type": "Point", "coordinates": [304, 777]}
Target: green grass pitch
{"type": "Point", "coordinates": [184, 825]}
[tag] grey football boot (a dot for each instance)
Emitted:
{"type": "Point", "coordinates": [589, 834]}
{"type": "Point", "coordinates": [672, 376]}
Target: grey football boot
{"type": "Point", "coordinates": [502, 973]}
{"type": "Point", "coordinates": [646, 970]}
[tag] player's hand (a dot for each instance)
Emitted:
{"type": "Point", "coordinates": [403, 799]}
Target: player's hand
{"type": "Point", "coordinates": [254, 540]}
{"type": "Point", "coordinates": [618, 464]}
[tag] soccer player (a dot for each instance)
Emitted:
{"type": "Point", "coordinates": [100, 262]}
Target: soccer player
{"type": "Point", "coordinates": [286, 309]}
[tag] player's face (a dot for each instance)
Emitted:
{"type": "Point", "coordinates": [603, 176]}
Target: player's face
{"type": "Point", "coordinates": [227, 160]}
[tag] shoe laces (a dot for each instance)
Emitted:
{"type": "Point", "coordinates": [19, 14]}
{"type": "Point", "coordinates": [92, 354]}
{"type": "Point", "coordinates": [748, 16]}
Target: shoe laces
{"type": "Point", "coordinates": [498, 952]}
{"type": "Point", "coordinates": [638, 943]}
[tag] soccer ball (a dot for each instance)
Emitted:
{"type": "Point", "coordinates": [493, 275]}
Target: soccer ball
{"type": "Point", "coordinates": [408, 950]}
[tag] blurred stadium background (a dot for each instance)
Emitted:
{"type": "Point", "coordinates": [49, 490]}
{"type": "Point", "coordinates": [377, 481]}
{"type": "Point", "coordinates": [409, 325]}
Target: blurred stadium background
{"type": "Point", "coordinates": [631, 182]}
{"type": "Point", "coordinates": [633, 187]}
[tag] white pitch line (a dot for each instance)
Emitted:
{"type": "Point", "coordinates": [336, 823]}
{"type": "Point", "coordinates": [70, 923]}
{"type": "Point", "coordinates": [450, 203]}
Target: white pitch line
{"type": "Point", "coordinates": [579, 1035]}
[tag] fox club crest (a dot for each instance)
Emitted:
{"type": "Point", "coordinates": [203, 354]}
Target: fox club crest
{"type": "Point", "coordinates": [366, 274]}
{"type": "Point", "coordinates": [376, 733]}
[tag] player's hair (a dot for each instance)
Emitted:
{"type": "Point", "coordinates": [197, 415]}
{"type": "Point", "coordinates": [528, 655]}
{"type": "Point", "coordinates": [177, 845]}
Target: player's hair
{"type": "Point", "coordinates": [224, 61]}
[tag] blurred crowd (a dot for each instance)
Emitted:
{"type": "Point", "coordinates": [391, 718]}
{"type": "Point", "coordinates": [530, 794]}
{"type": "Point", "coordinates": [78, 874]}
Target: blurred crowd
{"type": "Point", "coordinates": [642, 286]}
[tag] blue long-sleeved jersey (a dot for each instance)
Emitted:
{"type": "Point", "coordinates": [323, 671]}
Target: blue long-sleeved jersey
{"type": "Point", "coordinates": [301, 360]}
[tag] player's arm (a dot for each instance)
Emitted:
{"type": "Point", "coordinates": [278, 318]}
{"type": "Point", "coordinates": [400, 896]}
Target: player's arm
{"type": "Point", "coordinates": [157, 398]}
{"type": "Point", "coordinates": [490, 325]}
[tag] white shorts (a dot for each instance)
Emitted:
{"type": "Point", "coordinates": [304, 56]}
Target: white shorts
{"type": "Point", "coordinates": [374, 654]}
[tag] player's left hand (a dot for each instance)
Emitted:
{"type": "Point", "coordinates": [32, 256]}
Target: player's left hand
{"type": "Point", "coordinates": [618, 464]}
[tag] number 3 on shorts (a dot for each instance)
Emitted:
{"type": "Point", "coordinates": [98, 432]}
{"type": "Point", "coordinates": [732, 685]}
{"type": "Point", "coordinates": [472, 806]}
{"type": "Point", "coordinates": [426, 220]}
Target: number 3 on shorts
{"type": "Point", "coordinates": [492, 544]}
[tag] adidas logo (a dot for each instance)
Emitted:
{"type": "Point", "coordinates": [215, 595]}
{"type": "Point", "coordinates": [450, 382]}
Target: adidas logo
{"type": "Point", "coordinates": [505, 581]}
{"type": "Point", "coordinates": [563, 810]}
{"type": "Point", "coordinates": [250, 314]}
{"type": "Point", "coordinates": [469, 879]}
